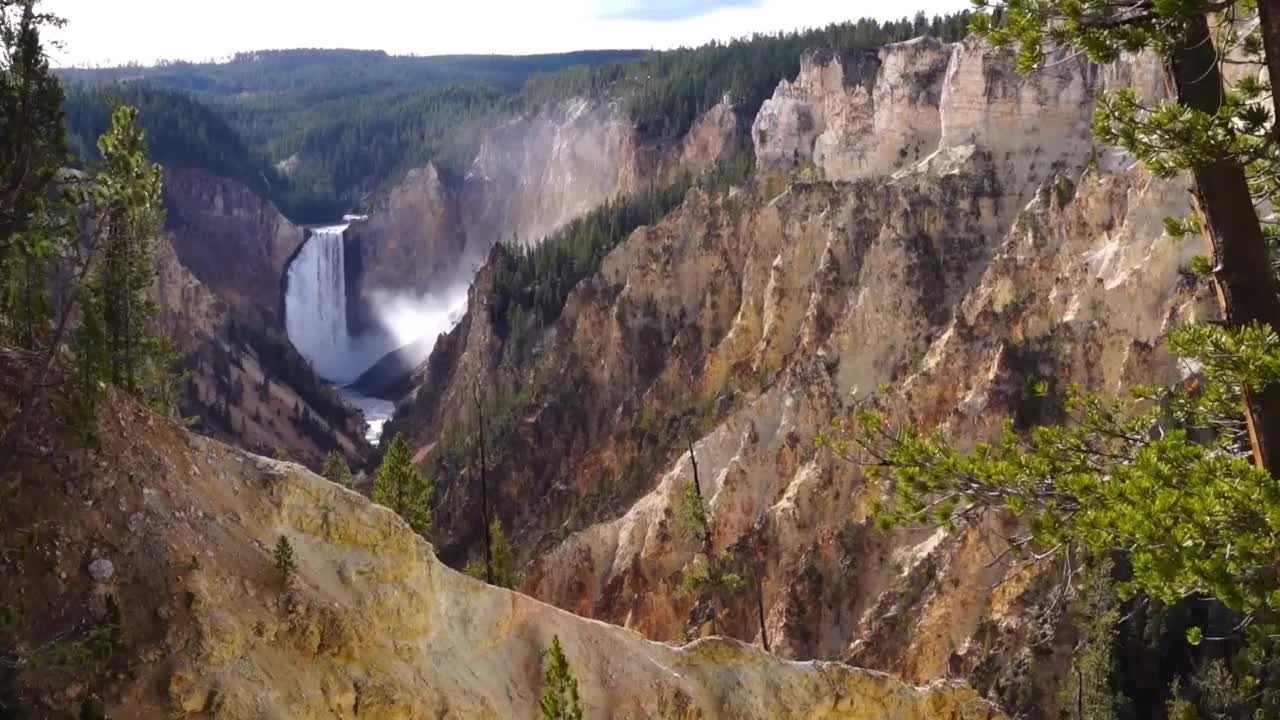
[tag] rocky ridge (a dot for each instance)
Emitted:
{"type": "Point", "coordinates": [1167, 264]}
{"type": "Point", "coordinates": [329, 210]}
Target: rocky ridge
{"type": "Point", "coordinates": [150, 568]}
{"type": "Point", "coordinates": [970, 237]}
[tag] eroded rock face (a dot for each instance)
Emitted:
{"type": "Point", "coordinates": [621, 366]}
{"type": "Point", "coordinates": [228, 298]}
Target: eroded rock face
{"type": "Point", "coordinates": [874, 113]}
{"type": "Point", "coordinates": [968, 255]}
{"type": "Point", "coordinates": [371, 625]}
{"type": "Point", "coordinates": [841, 289]}
{"type": "Point", "coordinates": [417, 236]}
{"type": "Point", "coordinates": [233, 241]}
{"type": "Point", "coordinates": [857, 115]}
{"type": "Point", "coordinates": [534, 174]}
{"type": "Point", "coordinates": [531, 175]}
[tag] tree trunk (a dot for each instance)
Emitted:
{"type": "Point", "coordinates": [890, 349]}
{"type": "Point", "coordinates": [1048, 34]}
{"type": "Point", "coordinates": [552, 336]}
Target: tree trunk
{"type": "Point", "coordinates": [484, 496]}
{"type": "Point", "coordinates": [764, 633]}
{"type": "Point", "coordinates": [697, 487]}
{"type": "Point", "coordinates": [1242, 271]}
{"type": "Point", "coordinates": [706, 531]}
{"type": "Point", "coordinates": [1269, 15]}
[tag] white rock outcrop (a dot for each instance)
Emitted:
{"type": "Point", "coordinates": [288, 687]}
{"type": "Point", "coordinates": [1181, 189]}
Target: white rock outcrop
{"type": "Point", "coordinates": [874, 113]}
{"type": "Point", "coordinates": [857, 115]}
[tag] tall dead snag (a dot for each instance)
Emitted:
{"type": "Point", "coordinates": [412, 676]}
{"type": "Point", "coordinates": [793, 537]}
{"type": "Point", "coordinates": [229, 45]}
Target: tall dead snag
{"type": "Point", "coordinates": [484, 489]}
{"type": "Point", "coordinates": [715, 574]}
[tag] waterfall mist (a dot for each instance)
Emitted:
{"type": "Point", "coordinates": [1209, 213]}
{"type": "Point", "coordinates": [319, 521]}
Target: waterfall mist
{"type": "Point", "coordinates": [409, 318]}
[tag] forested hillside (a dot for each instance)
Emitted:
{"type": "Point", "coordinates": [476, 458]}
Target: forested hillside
{"type": "Point", "coordinates": [319, 131]}
{"type": "Point", "coordinates": [320, 74]}
{"type": "Point", "coordinates": [181, 131]}
{"type": "Point", "coordinates": [314, 130]}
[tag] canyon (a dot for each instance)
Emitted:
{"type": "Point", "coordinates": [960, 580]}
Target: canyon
{"type": "Point", "coordinates": [923, 219]}
{"type": "Point", "coordinates": [926, 230]}
{"type": "Point", "coordinates": [382, 287]}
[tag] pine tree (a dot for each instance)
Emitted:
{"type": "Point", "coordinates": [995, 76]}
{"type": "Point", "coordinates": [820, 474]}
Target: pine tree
{"type": "Point", "coordinates": [116, 342]}
{"type": "Point", "coordinates": [37, 218]}
{"type": "Point", "coordinates": [401, 486]}
{"type": "Point", "coordinates": [504, 562]}
{"type": "Point", "coordinates": [86, 386]}
{"type": "Point", "coordinates": [1088, 693]}
{"type": "Point", "coordinates": [131, 214]}
{"type": "Point", "coordinates": [32, 153]}
{"type": "Point", "coordinates": [285, 564]}
{"type": "Point", "coordinates": [709, 573]}
{"type": "Point", "coordinates": [559, 687]}
{"type": "Point", "coordinates": [336, 470]}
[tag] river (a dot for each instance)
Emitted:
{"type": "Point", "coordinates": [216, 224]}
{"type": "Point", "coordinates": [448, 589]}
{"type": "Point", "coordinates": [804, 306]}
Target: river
{"type": "Point", "coordinates": [376, 412]}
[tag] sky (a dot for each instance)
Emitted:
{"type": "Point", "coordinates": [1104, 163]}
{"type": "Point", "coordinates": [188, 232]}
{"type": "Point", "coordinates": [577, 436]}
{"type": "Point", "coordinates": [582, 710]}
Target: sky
{"type": "Point", "coordinates": [111, 32]}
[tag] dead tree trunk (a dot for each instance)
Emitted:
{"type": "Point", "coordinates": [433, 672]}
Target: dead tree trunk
{"type": "Point", "coordinates": [764, 632]}
{"type": "Point", "coordinates": [1269, 15]}
{"type": "Point", "coordinates": [484, 493]}
{"type": "Point", "coordinates": [706, 531]}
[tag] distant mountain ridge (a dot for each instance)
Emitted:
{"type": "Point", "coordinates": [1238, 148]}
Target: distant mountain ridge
{"type": "Point", "coordinates": [315, 131]}
{"type": "Point", "coordinates": [285, 70]}
{"type": "Point", "coordinates": [341, 127]}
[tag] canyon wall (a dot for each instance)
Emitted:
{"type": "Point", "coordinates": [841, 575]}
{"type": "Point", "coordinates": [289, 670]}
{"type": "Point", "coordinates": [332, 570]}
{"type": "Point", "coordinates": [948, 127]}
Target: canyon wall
{"type": "Point", "coordinates": [414, 237]}
{"type": "Point", "coordinates": [536, 173]}
{"type": "Point", "coordinates": [969, 239]}
{"type": "Point", "coordinates": [530, 176]}
{"type": "Point", "coordinates": [233, 241]}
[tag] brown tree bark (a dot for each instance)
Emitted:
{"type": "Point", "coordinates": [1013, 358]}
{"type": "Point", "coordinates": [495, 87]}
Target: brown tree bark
{"type": "Point", "coordinates": [1242, 274]}
{"type": "Point", "coordinates": [1269, 15]}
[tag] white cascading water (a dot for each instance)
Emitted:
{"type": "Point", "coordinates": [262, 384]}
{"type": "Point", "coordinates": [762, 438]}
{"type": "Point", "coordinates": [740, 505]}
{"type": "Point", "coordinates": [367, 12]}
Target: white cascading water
{"type": "Point", "coordinates": [316, 306]}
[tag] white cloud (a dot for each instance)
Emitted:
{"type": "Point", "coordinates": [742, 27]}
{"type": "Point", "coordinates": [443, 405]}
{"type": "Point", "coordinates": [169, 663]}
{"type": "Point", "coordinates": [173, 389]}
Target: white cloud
{"type": "Point", "coordinates": [111, 32]}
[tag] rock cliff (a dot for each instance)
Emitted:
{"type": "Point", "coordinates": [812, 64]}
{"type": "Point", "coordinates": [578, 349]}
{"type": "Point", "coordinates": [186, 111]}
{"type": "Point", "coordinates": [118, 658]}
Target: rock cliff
{"type": "Point", "coordinates": [970, 238]}
{"type": "Point", "coordinates": [233, 241]}
{"type": "Point", "coordinates": [877, 112]}
{"type": "Point", "coordinates": [530, 176]}
{"type": "Point", "coordinates": [536, 173]}
{"type": "Point", "coordinates": [414, 237]}
{"type": "Point", "coordinates": [146, 589]}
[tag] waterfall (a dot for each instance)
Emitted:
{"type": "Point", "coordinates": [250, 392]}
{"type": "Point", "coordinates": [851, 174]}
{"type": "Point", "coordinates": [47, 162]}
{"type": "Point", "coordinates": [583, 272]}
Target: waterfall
{"type": "Point", "coordinates": [315, 311]}
{"type": "Point", "coordinates": [316, 306]}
